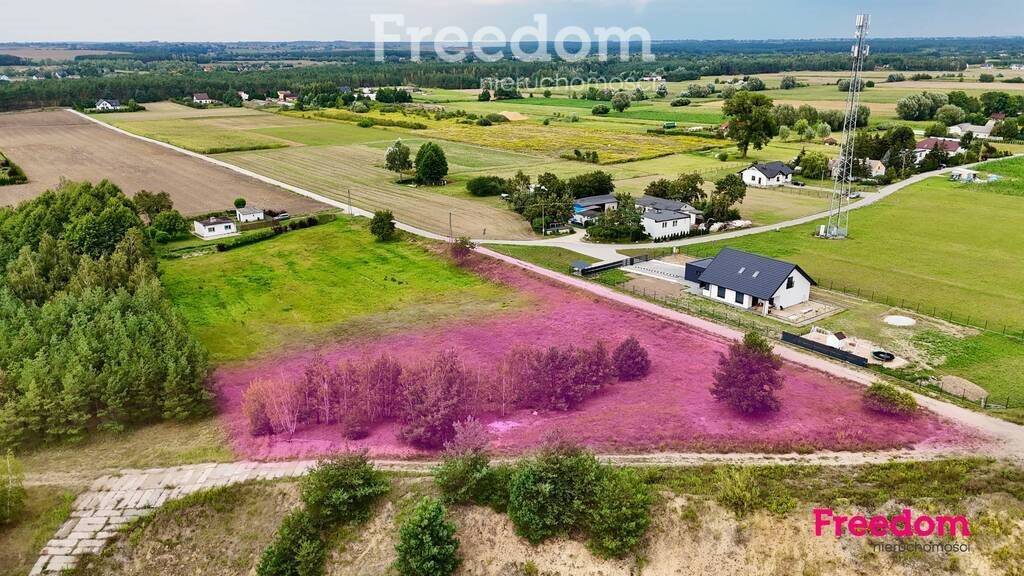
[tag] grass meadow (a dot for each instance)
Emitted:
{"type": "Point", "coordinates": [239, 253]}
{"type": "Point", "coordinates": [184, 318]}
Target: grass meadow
{"type": "Point", "coordinates": [328, 282]}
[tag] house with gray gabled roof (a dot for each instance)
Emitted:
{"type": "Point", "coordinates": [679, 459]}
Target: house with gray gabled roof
{"type": "Point", "coordinates": [750, 281]}
{"type": "Point", "coordinates": [108, 104]}
{"type": "Point", "coordinates": [767, 174]}
{"type": "Point", "coordinates": [666, 218]}
{"type": "Point", "coordinates": [588, 209]}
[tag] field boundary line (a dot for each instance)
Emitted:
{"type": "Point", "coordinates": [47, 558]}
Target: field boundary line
{"type": "Point", "coordinates": [353, 210]}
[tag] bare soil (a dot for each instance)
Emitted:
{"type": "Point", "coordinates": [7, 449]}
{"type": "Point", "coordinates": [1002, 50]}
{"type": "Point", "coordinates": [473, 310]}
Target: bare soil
{"type": "Point", "coordinates": [55, 144]}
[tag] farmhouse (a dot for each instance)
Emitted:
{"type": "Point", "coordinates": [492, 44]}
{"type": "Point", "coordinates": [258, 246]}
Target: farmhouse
{"type": "Point", "coordinates": [248, 214]}
{"type": "Point", "coordinates": [588, 209]}
{"type": "Point", "coordinates": [950, 145]}
{"type": "Point", "coordinates": [750, 281]}
{"type": "Point", "coordinates": [214, 227]}
{"type": "Point", "coordinates": [980, 132]}
{"type": "Point", "coordinates": [770, 174]}
{"type": "Point", "coordinates": [662, 218]}
{"type": "Point", "coordinates": [243, 95]}
{"type": "Point", "coordinates": [104, 104]}
{"type": "Point", "coordinates": [202, 98]}
{"type": "Point", "coordinates": [286, 96]}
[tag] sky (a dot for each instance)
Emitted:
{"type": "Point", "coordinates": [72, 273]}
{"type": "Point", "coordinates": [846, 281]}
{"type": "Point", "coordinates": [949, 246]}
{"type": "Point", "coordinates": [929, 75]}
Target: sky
{"type": "Point", "coordinates": [277, 20]}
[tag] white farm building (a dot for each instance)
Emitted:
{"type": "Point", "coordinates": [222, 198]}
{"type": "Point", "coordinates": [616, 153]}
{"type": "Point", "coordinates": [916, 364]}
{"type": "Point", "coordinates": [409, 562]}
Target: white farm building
{"type": "Point", "coordinates": [248, 214]}
{"type": "Point", "coordinates": [214, 227]}
{"type": "Point", "coordinates": [750, 281]}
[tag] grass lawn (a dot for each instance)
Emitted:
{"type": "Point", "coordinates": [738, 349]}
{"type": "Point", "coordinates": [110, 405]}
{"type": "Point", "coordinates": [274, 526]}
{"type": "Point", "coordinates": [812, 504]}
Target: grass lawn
{"type": "Point", "coordinates": [311, 133]}
{"type": "Point", "coordinates": [328, 282]}
{"type": "Point", "coordinates": [937, 245]}
{"type": "Point", "coordinates": [558, 259]}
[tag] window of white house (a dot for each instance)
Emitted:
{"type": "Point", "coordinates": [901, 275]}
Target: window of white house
{"type": "Point", "coordinates": [209, 228]}
{"type": "Point", "coordinates": [675, 223]}
{"type": "Point", "coordinates": [721, 292]}
{"type": "Point", "coordinates": [664, 224]}
{"type": "Point", "coordinates": [739, 297]}
{"type": "Point", "coordinates": [790, 282]}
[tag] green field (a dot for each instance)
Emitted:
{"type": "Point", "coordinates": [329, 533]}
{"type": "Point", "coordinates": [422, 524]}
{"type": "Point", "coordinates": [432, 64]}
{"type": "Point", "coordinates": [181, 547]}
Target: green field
{"type": "Point", "coordinates": [199, 136]}
{"type": "Point", "coordinates": [332, 281]}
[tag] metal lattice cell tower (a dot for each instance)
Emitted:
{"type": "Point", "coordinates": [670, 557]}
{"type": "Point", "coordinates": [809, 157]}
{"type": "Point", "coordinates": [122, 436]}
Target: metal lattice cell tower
{"type": "Point", "coordinates": [842, 178]}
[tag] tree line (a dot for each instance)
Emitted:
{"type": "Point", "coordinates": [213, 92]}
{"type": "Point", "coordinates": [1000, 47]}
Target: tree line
{"type": "Point", "coordinates": [88, 338]}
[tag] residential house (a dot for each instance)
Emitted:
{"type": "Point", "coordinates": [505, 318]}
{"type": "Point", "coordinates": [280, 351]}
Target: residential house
{"type": "Point", "coordinates": [214, 227]}
{"type": "Point", "coordinates": [663, 218]}
{"type": "Point", "coordinates": [750, 281]}
{"type": "Point", "coordinates": [202, 98]}
{"type": "Point", "coordinates": [876, 168]}
{"type": "Point", "coordinates": [286, 97]}
{"type": "Point", "coordinates": [998, 116]}
{"type": "Point", "coordinates": [108, 104]}
{"type": "Point", "coordinates": [769, 174]}
{"type": "Point", "coordinates": [367, 93]}
{"type": "Point", "coordinates": [588, 209]}
{"type": "Point", "coordinates": [980, 132]}
{"type": "Point", "coordinates": [243, 95]}
{"type": "Point", "coordinates": [248, 214]}
{"type": "Point", "coordinates": [950, 145]}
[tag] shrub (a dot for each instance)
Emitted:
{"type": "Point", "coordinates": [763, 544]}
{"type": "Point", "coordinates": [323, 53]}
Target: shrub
{"type": "Point", "coordinates": [461, 247]}
{"type": "Point", "coordinates": [748, 377]}
{"type": "Point", "coordinates": [365, 123]}
{"type": "Point", "coordinates": [483, 122]}
{"type": "Point", "coordinates": [600, 110]}
{"type": "Point", "coordinates": [462, 478]}
{"type": "Point", "coordinates": [486, 186]}
{"type": "Point", "coordinates": [171, 223]}
{"type": "Point", "coordinates": [359, 107]}
{"type": "Point", "coordinates": [552, 492]}
{"type": "Point", "coordinates": [298, 534]}
{"type": "Point", "coordinates": [12, 490]}
{"type": "Point", "coordinates": [722, 156]}
{"type": "Point", "coordinates": [342, 489]}
{"type": "Point", "coordinates": [631, 360]}
{"type": "Point", "coordinates": [496, 118]}
{"type": "Point", "coordinates": [427, 545]}
{"type": "Point", "coordinates": [435, 397]}
{"type": "Point", "coordinates": [382, 225]}
{"type": "Point", "coordinates": [621, 512]}
{"type": "Point", "coordinates": [680, 102]}
{"type": "Point", "coordinates": [887, 399]}
{"type": "Point", "coordinates": [239, 202]}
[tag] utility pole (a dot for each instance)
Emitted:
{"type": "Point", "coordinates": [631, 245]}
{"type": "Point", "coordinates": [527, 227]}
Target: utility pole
{"type": "Point", "coordinates": [350, 211]}
{"type": "Point", "coordinates": [451, 233]}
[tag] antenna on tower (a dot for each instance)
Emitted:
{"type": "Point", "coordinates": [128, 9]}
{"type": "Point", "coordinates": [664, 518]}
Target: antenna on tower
{"type": "Point", "coordinates": [842, 178]}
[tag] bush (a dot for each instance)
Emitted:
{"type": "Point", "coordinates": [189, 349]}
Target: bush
{"type": "Point", "coordinates": [297, 535]}
{"type": "Point", "coordinates": [359, 107]}
{"type": "Point", "coordinates": [486, 186]}
{"type": "Point", "coordinates": [722, 156]}
{"type": "Point", "coordinates": [680, 102]}
{"type": "Point", "coordinates": [600, 110]}
{"type": "Point", "coordinates": [461, 248]}
{"type": "Point", "coordinates": [382, 225]}
{"type": "Point", "coordinates": [171, 223]}
{"type": "Point", "coordinates": [463, 479]}
{"type": "Point", "coordinates": [748, 377]}
{"type": "Point", "coordinates": [239, 202]}
{"type": "Point", "coordinates": [12, 490]}
{"type": "Point", "coordinates": [427, 545]}
{"type": "Point", "coordinates": [342, 489]}
{"type": "Point", "coordinates": [631, 360]}
{"type": "Point", "coordinates": [887, 399]}
{"type": "Point", "coordinates": [552, 492]}
{"type": "Point", "coordinates": [483, 122]}
{"type": "Point", "coordinates": [621, 512]}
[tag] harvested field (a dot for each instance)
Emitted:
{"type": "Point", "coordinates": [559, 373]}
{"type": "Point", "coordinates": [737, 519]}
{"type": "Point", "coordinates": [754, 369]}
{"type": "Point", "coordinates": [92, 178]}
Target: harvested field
{"type": "Point", "coordinates": [335, 171]}
{"type": "Point", "coordinates": [57, 144]}
{"type": "Point", "coordinates": [670, 409]}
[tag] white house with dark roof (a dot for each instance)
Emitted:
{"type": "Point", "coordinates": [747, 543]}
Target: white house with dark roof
{"type": "Point", "coordinates": [214, 227]}
{"type": "Point", "coordinates": [108, 104]}
{"type": "Point", "coordinates": [662, 218]}
{"type": "Point", "coordinates": [248, 214]}
{"type": "Point", "coordinates": [980, 132]}
{"type": "Point", "coordinates": [750, 281]}
{"type": "Point", "coordinates": [768, 174]}
{"type": "Point", "coordinates": [202, 98]}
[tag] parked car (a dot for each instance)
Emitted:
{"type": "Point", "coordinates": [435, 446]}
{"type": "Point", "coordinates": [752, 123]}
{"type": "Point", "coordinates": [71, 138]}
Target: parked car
{"type": "Point", "coordinates": [281, 216]}
{"type": "Point", "coordinates": [798, 184]}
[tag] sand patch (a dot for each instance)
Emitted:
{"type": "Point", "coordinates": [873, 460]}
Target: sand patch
{"type": "Point", "coordinates": [514, 116]}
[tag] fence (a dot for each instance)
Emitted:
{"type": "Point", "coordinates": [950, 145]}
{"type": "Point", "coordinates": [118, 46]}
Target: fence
{"type": "Point", "coordinates": [598, 268]}
{"type": "Point", "coordinates": [824, 349]}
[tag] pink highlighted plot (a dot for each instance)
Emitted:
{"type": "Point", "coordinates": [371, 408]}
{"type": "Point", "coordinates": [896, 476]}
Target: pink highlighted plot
{"type": "Point", "coordinates": [669, 409]}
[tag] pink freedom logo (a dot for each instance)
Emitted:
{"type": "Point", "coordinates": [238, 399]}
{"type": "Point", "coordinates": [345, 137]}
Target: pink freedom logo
{"type": "Point", "coordinates": [902, 525]}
